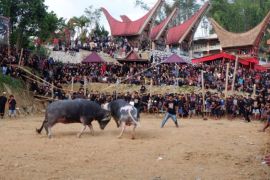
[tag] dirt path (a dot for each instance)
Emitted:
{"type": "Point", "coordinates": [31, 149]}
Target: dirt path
{"type": "Point", "coordinates": [197, 150]}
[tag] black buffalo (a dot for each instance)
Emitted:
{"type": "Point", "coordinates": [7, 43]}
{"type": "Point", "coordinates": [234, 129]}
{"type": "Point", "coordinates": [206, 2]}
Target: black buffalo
{"type": "Point", "coordinates": [124, 114]}
{"type": "Point", "coordinates": [74, 111]}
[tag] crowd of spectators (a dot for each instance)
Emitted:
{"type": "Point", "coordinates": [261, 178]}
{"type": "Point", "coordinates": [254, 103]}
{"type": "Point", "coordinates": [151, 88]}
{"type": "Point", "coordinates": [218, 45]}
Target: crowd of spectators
{"type": "Point", "coordinates": [142, 74]}
{"type": "Point", "coordinates": [118, 47]}
{"type": "Point", "coordinates": [215, 105]}
{"type": "Point", "coordinates": [160, 74]}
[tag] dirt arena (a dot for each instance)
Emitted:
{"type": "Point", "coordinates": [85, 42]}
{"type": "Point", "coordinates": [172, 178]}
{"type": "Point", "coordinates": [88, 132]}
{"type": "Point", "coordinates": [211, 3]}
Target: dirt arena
{"type": "Point", "coordinates": [197, 150]}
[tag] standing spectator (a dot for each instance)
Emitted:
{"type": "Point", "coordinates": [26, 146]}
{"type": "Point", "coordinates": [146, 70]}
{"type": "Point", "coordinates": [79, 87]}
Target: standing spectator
{"type": "Point", "coordinates": [3, 101]}
{"type": "Point", "coordinates": [171, 108]}
{"type": "Point", "coordinates": [267, 123]}
{"type": "Point", "coordinates": [191, 107]}
{"type": "Point", "coordinates": [12, 106]}
{"type": "Point", "coordinates": [137, 103]}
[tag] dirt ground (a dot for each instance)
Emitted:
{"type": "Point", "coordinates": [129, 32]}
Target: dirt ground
{"type": "Point", "coordinates": [197, 150]}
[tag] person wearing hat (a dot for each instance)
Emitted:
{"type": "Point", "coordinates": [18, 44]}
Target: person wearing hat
{"type": "Point", "coordinates": [171, 111]}
{"type": "Point", "coordinates": [3, 101]}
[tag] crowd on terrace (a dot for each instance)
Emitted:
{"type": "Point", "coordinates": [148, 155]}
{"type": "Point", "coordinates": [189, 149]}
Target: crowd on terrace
{"type": "Point", "coordinates": [142, 74]}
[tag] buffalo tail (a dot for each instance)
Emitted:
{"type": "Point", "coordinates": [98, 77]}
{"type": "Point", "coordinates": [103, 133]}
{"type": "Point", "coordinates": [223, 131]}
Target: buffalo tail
{"type": "Point", "coordinates": [136, 122]}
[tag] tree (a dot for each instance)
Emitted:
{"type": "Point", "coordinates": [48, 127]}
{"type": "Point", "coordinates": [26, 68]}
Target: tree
{"type": "Point", "coordinates": [239, 15]}
{"type": "Point", "coordinates": [93, 16]}
{"type": "Point", "coordinates": [100, 31]}
{"type": "Point", "coordinates": [28, 18]}
{"type": "Point", "coordinates": [186, 9]}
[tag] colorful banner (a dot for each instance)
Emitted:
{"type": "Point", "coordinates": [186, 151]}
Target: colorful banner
{"type": "Point", "coordinates": [4, 30]}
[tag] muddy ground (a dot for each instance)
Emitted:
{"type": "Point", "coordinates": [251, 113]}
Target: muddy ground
{"type": "Point", "coordinates": [197, 150]}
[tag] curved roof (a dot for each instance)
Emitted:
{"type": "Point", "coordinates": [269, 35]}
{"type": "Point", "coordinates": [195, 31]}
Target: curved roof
{"type": "Point", "coordinates": [130, 28]}
{"type": "Point", "coordinates": [250, 38]}
{"type": "Point", "coordinates": [125, 18]}
{"type": "Point", "coordinates": [157, 31]}
{"type": "Point", "coordinates": [178, 33]}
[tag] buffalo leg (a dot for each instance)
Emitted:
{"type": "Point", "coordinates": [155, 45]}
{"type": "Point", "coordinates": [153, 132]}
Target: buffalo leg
{"type": "Point", "coordinates": [91, 129]}
{"type": "Point", "coordinates": [46, 128]}
{"type": "Point", "coordinates": [49, 132]}
{"type": "Point", "coordinates": [133, 132]}
{"type": "Point", "coordinates": [123, 124]}
{"type": "Point", "coordinates": [80, 133]}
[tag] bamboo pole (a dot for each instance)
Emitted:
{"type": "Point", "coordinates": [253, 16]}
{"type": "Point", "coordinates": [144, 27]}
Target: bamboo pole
{"type": "Point", "coordinates": [151, 86]}
{"type": "Point", "coordinates": [52, 91]}
{"type": "Point", "coordinates": [20, 60]}
{"type": "Point", "coordinates": [234, 73]}
{"type": "Point", "coordinates": [8, 38]}
{"type": "Point", "coordinates": [227, 78]}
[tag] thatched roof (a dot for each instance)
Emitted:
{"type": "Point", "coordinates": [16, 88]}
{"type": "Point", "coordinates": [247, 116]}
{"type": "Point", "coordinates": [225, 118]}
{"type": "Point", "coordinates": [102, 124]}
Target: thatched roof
{"type": "Point", "coordinates": [250, 38]}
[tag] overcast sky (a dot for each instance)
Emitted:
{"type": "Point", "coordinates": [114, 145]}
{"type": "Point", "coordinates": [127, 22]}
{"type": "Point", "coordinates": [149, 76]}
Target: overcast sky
{"type": "Point", "coordinates": [70, 8]}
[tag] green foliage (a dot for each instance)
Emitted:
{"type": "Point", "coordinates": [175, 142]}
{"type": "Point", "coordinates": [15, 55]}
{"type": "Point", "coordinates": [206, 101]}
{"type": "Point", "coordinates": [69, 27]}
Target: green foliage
{"type": "Point", "coordinates": [239, 15]}
{"type": "Point", "coordinates": [186, 9]}
{"type": "Point", "coordinates": [29, 18]}
{"type": "Point", "coordinates": [93, 16]}
{"type": "Point", "coordinates": [11, 82]}
{"type": "Point", "coordinates": [100, 31]}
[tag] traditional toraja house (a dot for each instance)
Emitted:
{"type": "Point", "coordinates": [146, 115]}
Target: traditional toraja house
{"type": "Point", "coordinates": [244, 45]}
{"type": "Point", "coordinates": [158, 32]}
{"type": "Point", "coordinates": [138, 31]}
{"type": "Point", "coordinates": [182, 35]}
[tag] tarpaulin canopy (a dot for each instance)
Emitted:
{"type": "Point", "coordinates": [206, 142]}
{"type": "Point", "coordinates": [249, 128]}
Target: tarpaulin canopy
{"type": "Point", "coordinates": [260, 68]}
{"type": "Point", "coordinates": [93, 58]}
{"type": "Point", "coordinates": [244, 61]}
{"type": "Point", "coordinates": [133, 56]}
{"type": "Point", "coordinates": [174, 58]}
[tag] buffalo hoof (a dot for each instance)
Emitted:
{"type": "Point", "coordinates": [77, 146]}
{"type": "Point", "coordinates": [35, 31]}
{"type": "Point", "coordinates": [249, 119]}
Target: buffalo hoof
{"type": "Point", "coordinates": [79, 135]}
{"type": "Point", "coordinates": [119, 137]}
{"type": "Point", "coordinates": [133, 138]}
{"type": "Point", "coordinates": [49, 136]}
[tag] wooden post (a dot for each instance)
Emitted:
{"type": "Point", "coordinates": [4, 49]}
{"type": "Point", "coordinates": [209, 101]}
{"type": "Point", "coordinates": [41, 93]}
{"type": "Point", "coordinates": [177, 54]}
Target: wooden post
{"type": "Point", "coordinates": [203, 92]}
{"type": "Point", "coordinates": [20, 57]}
{"type": "Point", "coordinates": [72, 88]}
{"type": "Point", "coordinates": [254, 91]}
{"type": "Point", "coordinates": [151, 86]}
{"type": "Point", "coordinates": [227, 78]}
{"type": "Point", "coordinates": [85, 85]}
{"type": "Point", "coordinates": [52, 91]}
{"type": "Point", "coordinates": [234, 73]}
{"type": "Point", "coordinates": [153, 45]}
{"type": "Point", "coordinates": [72, 84]}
